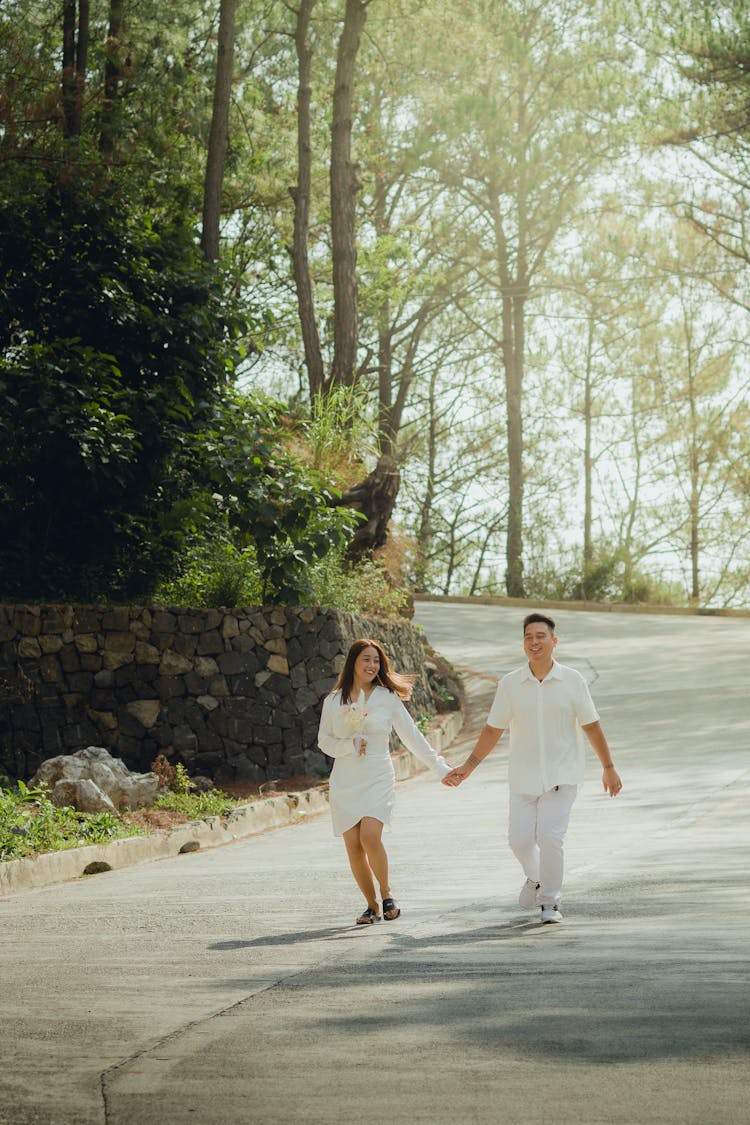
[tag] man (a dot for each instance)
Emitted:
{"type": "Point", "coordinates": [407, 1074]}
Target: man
{"type": "Point", "coordinates": [544, 705]}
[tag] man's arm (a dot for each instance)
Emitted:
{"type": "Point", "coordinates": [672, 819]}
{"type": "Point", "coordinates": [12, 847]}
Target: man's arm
{"type": "Point", "coordinates": [610, 778]}
{"type": "Point", "coordinates": [486, 742]}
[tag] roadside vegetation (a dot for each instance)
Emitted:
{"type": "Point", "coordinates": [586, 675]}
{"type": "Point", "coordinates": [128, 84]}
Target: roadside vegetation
{"type": "Point", "coordinates": [30, 823]}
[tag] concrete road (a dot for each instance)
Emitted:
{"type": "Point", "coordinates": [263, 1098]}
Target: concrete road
{"type": "Point", "coordinates": [231, 986]}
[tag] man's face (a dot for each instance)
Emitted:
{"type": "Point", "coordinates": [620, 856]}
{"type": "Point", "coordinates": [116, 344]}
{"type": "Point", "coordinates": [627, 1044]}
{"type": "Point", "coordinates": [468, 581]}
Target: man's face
{"type": "Point", "coordinates": [539, 642]}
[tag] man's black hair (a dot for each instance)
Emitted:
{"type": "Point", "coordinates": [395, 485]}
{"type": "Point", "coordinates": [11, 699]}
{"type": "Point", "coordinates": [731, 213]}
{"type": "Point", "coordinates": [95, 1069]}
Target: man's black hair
{"type": "Point", "coordinates": [541, 618]}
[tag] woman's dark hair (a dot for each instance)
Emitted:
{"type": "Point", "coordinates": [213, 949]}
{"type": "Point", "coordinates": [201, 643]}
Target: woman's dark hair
{"type": "Point", "coordinates": [394, 681]}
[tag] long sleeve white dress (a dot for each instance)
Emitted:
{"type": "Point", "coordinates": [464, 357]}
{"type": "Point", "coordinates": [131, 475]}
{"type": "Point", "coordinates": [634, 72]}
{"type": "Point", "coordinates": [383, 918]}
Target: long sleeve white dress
{"type": "Point", "coordinates": [365, 785]}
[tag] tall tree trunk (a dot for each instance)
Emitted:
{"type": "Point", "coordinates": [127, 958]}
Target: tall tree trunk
{"type": "Point", "coordinates": [301, 196]}
{"type": "Point", "coordinates": [587, 465]}
{"type": "Point", "coordinates": [385, 342]}
{"type": "Point", "coordinates": [513, 363]}
{"type": "Point", "coordinates": [345, 183]}
{"type": "Point", "coordinates": [514, 393]}
{"type": "Point", "coordinates": [75, 62]}
{"type": "Point", "coordinates": [513, 296]}
{"type": "Point", "coordinates": [219, 134]}
{"type": "Point", "coordinates": [112, 77]}
{"type": "Point", "coordinates": [454, 541]}
{"type": "Point", "coordinates": [424, 531]}
{"type": "Point", "coordinates": [695, 585]}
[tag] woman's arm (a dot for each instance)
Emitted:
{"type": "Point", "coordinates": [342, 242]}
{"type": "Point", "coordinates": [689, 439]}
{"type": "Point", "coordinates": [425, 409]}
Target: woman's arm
{"type": "Point", "coordinates": [414, 740]}
{"type": "Point", "coordinates": [328, 741]}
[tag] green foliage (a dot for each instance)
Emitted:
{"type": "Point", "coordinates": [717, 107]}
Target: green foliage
{"type": "Point", "coordinates": [186, 799]}
{"type": "Point", "coordinates": [122, 451]}
{"type": "Point", "coordinates": [606, 579]}
{"type": "Point", "coordinates": [712, 43]}
{"type": "Point", "coordinates": [214, 572]}
{"type": "Point", "coordinates": [30, 823]}
{"type": "Point", "coordinates": [643, 589]}
{"type": "Point", "coordinates": [339, 432]}
{"type": "Point", "coordinates": [267, 506]}
{"type": "Point", "coordinates": [362, 587]}
{"type": "Point", "coordinates": [115, 340]}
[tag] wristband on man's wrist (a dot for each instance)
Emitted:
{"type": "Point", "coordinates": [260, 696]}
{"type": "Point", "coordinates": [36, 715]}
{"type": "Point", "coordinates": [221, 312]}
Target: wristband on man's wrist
{"type": "Point", "coordinates": [611, 766]}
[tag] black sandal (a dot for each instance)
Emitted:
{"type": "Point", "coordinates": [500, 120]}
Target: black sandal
{"type": "Point", "coordinates": [368, 917]}
{"type": "Point", "coordinates": [389, 905]}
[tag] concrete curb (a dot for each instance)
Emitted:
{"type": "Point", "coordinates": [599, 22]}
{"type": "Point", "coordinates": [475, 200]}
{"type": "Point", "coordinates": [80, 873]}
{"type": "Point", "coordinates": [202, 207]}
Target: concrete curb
{"type": "Point", "coordinates": [17, 875]}
{"type": "Point", "coordinates": [246, 820]}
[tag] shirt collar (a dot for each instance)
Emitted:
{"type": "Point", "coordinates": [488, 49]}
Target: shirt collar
{"type": "Point", "coordinates": [553, 674]}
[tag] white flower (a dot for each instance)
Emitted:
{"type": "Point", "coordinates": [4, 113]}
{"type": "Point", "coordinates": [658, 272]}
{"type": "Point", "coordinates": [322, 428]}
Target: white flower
{"type": "Point", "coordinates": [351, 719]}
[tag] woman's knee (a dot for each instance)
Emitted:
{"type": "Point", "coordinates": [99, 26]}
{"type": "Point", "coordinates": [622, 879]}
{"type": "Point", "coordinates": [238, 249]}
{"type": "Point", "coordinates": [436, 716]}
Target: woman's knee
{"type": "Point", "coordinates": [370, 834]}
{"type": "Point", "coordinates": [353, 840]}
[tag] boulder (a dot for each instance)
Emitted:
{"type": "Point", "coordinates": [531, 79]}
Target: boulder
{"type": "Point", "coordinates": [120, 788]}
{"type": "Point", "coordinates": [83, 795]}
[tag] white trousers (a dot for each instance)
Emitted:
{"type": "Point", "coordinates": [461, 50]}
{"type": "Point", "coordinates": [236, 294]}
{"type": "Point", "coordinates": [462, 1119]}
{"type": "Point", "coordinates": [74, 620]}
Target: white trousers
{"type": "Point", "coordinates": [536, 831]}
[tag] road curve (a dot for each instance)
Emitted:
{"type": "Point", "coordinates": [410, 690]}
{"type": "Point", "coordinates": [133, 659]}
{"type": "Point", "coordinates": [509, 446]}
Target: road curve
{"type": "Point", "coordinates": [232, 986]}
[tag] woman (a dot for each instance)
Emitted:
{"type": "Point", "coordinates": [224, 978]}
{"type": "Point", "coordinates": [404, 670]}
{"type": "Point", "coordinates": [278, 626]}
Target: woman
{"type": "Point", "coordinates": [355, 730]}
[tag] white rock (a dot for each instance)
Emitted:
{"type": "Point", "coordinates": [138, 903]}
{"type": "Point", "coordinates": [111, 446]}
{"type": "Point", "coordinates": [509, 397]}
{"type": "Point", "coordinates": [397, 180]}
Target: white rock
{"type": "Point", "coordinates": [110, 776]}
{"type": "Point", "coordinates": [83, 795]}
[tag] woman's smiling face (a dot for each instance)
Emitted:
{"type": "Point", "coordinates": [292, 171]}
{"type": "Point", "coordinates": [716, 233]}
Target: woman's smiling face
{"type": "Point", "coordinates": [367, 665]}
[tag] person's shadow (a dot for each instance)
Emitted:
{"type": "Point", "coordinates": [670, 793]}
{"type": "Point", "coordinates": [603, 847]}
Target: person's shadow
{"type": "Point", "coordinates": [497, 932]}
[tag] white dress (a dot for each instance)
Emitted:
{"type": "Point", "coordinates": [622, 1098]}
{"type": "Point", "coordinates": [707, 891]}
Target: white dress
{"type": "Point", "coordinates": [365, 785]}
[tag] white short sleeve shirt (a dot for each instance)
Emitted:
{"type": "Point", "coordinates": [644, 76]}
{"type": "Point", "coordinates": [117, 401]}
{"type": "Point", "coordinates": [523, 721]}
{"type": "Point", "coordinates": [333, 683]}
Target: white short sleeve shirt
{"type": "Point", "coordinates": [544, 721]}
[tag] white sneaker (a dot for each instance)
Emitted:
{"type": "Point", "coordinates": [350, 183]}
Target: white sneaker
{"type": "Point", "coordinates": [527, 897]}
{"type": "Point", "coordinates": [551, 914]}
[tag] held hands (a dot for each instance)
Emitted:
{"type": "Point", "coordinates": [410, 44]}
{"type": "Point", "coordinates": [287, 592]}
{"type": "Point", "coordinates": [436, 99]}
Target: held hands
{"type": "Point", "coordinates": [457, 775]}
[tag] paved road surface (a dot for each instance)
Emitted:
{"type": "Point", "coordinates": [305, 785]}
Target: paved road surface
{"type": "Point", "coordinates": [230, 986]}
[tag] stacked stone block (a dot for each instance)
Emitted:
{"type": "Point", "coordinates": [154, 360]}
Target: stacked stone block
{"type": "Point", "coordinates": [232, 693]}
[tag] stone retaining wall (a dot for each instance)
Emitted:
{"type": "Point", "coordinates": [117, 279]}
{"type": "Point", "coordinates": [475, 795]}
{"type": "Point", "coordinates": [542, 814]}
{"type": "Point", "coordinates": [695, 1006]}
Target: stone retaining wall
{"type": "Point", "coordinates": [231, 693]}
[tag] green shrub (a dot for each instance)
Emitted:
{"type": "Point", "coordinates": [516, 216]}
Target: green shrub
{"type": "Point", "coordinates": [215, 573]}
{"type": "Point", "coordinates": [185, 798]}
{"type": "Point", "coordinates": [30, 823]}
{"type": "Point", "coordinates": [339, 433]}
{"type": "Point", "coordinates": [362, 587]}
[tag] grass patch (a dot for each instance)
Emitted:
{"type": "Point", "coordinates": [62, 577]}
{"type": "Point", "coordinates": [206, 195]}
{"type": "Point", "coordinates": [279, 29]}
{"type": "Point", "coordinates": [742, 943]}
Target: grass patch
{"type": "Point", "coordinates": [185, 798]}
{"type": "Point", "coordinates": [30, 823]}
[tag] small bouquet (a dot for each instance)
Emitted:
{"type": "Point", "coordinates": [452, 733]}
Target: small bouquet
{"type": "Point", "coordinates": [351, 721]}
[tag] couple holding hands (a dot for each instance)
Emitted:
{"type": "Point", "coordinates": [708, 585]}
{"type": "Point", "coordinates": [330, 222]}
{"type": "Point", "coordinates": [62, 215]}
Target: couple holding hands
{"type": "Point", "coordinates": [543, 705]}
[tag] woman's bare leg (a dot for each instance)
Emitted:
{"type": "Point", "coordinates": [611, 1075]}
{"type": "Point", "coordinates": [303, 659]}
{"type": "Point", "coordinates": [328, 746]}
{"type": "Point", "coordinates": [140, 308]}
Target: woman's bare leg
{"type": "Point", "coordinates": [360, 867]}
{"type": "Point", "coordinates": [371, 838]}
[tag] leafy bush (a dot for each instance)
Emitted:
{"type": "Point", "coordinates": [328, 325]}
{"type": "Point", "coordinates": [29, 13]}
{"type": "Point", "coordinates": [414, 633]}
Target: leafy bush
{"type": "Point", "coordinates": [599, 582]}
{"type": "Point", "coordinates": [30, 823]}
{"type": "Point", "coordinates": [123, 449]}
{"type": "Point", "coordinates": [362, 587]}
{"type": "Point", "coordinates": [116, 339]}
{"type": "Point", "coordinates": [214, 573]}
{"type": "Point", "coordinates": [186, 799]}
{"type": "Point", "coordinates": [274, 533]}
{"type": "Point", "coordinates": [605, 579]}
{"type": "Point", "coordinates": [339, 433]}
{"type": "Point", "coordinates": [642, 589]}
